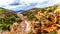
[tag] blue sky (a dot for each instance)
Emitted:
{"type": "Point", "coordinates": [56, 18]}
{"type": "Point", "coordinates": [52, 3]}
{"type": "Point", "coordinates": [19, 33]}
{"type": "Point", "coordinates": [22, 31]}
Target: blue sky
{"type": "Point", "coordinates": [17, 5]}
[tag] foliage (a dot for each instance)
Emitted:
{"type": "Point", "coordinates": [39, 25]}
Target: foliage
{"type": "Point", "coordinates": [54, 32]}
{"type": "Point", "coordinates": [30, 13]}
{"type": "Point", "coordinates": [7, 18]}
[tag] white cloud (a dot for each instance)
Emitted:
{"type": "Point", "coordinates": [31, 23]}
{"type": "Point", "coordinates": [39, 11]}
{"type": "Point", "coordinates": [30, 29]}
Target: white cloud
{"type": "Point", "coordinates": [26, 4]}
{"type": "Point", "coordinates": [32, 1]}
{"type": "Point", "coordinates": [5, 2]}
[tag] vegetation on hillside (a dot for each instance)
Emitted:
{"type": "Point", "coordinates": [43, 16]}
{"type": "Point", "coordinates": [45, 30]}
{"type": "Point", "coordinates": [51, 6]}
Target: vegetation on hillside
{"type": "Point", "coordinates": [31, 13]}
{"type": "Point", "coordinates": [7, 18]}
{"type": "Point", "coordinates": [35, 21]}
{"type": "Point", "coordinates": [48, 20]}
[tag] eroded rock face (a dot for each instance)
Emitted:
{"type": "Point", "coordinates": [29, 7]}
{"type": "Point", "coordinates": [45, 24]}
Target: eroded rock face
{"type": "Point", "coordinates": [16, 29]}
{"type": "Point", "coordinates": [4, 32]}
